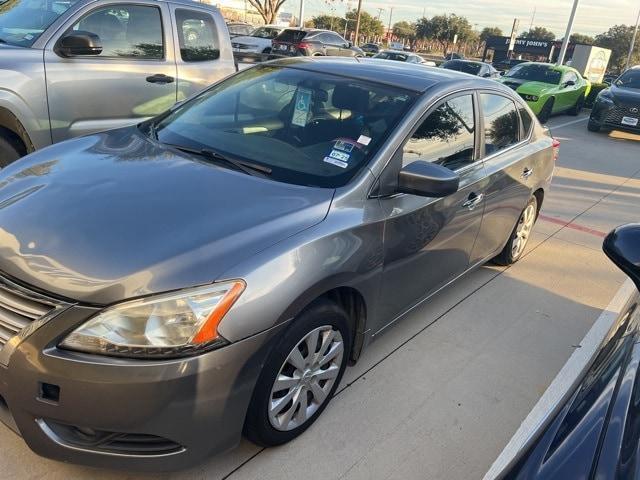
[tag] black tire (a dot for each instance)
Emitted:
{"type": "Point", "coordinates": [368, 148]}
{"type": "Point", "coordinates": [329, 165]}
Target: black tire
{"type": "Point", "coordinates": [11, 149]}
{"type": "Point", "coordinates": [577, 108]}
{"type": "Point", "coordinates": [507, 256]}
{"type": "Point", "coordinates": [546, 111]}
{"type": "Point", "coordinates": [258, 428]}
{"type": "Point", "coordinates": [592, 126]}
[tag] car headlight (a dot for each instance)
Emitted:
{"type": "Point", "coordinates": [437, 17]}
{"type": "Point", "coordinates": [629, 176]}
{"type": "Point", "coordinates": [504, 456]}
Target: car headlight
{"type": "Point", "coordinates": [531, 98]}
{"type": "Point", "coordinates": [165, 325]}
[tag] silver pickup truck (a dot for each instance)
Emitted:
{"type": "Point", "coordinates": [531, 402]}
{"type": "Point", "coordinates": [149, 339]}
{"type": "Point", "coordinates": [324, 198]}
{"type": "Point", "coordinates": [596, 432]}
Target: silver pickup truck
{"type": "Point", "coordinates": [73, 67]}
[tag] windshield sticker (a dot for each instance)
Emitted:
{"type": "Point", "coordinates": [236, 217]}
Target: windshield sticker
{"type": "Point", "coordinates": [28, 36]}
{"type": "Point", "coordinates": [336, 162]}
{"type": "Point", "coordinates": [302, 108]}
{"type": "Point", "coordinates": [340, 155]}
{"type": "Point", "coordinates": [344, 145]}
{"type": "Point", "coordinates": [364, 140]}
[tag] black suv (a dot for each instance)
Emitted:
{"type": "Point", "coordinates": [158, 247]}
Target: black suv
{"type": "Point", "coordinates": [311, 42]}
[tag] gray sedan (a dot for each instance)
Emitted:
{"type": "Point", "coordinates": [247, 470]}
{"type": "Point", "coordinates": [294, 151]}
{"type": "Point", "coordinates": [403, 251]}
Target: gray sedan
{"type": "Point", "coordinates": [167, 287]}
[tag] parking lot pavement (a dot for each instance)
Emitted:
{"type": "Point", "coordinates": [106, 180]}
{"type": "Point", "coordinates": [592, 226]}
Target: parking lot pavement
{"type": "Point", "coordinates": [441, 393]}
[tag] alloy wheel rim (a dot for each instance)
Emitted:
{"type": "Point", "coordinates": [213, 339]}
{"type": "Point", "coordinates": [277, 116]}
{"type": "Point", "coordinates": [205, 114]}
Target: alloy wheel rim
{"type": "Point", "coordinates": [306, 378]}
{"type": "Point", "coordinates": [523, 230]}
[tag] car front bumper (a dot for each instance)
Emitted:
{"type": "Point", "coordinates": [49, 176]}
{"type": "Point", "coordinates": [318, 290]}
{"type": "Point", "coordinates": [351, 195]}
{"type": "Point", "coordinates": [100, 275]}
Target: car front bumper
{"type": "Point", "coordinates": [112, 412]}
{"type": "Point", "coordinates": [610, 115]}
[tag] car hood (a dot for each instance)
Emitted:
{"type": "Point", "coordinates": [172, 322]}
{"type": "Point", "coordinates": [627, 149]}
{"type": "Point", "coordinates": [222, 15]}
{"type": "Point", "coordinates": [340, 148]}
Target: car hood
{"type": "Point", "coordinates": [530, 88]}
{"type": "Point", "coordinates": [114, 215]}
{"type": "Point", "coordinates": [625, 96]}
{"type": "Point", "coordinates": [249, 40]}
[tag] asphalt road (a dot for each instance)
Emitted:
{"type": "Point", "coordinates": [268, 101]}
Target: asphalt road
{"type": "Point", "coordinates": [440, 394]}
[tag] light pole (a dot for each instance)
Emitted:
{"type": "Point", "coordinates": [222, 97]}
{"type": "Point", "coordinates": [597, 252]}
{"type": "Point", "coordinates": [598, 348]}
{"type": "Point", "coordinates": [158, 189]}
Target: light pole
{"type": "Point", "coordinates": [565, 42]}
{"type": "Point", "coordinates": [358, 22]}
{"type": "Point", "coordinates": [301, 21]}
{"type": "Point", "coordinates": [633, 43]}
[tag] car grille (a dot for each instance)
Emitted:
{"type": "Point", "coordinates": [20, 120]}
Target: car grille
{"type": "Point", "coordinates": [616, 113]}
{"type": "Point", "coordinates": [19, 308]}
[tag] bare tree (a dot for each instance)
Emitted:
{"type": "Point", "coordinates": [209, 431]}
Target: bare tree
{"type": "Point", "coordinates": [268, 9]}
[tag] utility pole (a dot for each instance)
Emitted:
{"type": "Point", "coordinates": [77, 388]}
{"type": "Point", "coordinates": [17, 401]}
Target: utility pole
{"type": "Point", "coordinates": [301, 21]}
{"type": "Point", "coordinates": [533, 17]}
{"type": "Point", "coordinates": [390, 35]}
{"type": "Point", "coordinates": [358, 22]}
{"type": "Point", "coordinates": [633, 43]}
{"type": "Point", "coordinates": [380, 10]}
{"type": "Point", "coordinates": [565, 43]}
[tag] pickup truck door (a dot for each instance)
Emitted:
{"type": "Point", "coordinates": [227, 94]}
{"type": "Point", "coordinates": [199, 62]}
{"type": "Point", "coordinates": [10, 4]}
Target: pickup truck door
{"type": "Point", "coordinates": [132, 79]}
{"type": "Point", "coordinates": [200, 42]}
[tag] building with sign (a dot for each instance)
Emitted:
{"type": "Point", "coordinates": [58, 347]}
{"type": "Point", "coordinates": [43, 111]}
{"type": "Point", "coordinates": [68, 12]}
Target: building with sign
{"type": "Point", "coordinates": [524, 48]}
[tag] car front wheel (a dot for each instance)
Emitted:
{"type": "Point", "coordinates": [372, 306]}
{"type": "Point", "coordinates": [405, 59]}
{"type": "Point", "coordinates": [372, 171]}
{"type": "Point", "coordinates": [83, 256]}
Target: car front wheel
{"type": "Point", "coordinates": [593, 126]}
{"type": "Point", "coordinates": [300, 376]}
{"type": "Point", "coordinates": [519, 238]}
{"type": "Point", "coordinates": [547, 110]}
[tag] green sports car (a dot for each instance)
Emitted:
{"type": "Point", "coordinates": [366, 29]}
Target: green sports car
{"type": "Point", "coordinates": [548, 89]}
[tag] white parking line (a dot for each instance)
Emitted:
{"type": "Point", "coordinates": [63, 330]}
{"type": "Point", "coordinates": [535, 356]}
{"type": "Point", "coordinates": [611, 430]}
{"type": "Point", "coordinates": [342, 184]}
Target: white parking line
{"type": "Point", "coordinates": [559, 387]}
{"type": "Point", "coordinates": [572, 122]}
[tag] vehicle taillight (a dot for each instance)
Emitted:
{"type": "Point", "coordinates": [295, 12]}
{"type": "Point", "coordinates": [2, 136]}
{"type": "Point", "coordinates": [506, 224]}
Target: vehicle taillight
{"type": "Point", "coordinates": [304, 45]}
{"type": "Point", "coordinates": [556, 149]}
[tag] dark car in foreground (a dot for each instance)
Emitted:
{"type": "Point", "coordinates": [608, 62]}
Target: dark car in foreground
{"type": "Point", "coordinates": [312, 42]}
{"type": "Point", "coordinates": [618, 107]}
{"type": "Point", "coordinates": [479, 69]}
{"type": "Point", "coordinates": [168, 286]}
{"type": "Point", "coordinates": [593, 431]}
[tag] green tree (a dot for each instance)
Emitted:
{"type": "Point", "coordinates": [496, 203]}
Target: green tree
{"type": "Point", "coordinates": [618, 40]}
{"type": "Point", "coordinates": [582, 39]}
{"type": "Point", "coordinates": [268, 9]}
{"type": "Point", "coordinates": [404, 30]}
{"type": "Point", "coordinates": [443, 29]}
{"type": "Point", "coordinates": [539, 33]}
{"type": "Point", "coordinates": [327, 22]}
{"type": "Point", "coordinates": [490, 32]}
{"type": "Point", "coordinates": [369, 26]}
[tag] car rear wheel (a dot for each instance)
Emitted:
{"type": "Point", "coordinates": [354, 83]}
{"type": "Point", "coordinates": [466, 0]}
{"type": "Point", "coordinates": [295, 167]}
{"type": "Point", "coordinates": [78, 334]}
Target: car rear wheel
{"type": "Point", "coordinates": [577, 108]}
{"type": "Point", "coordinates": [519, 238]}
{"type": "Point", "coordinates": [546, 111]}
{"type": "Point", "coordinates": [300, 376]}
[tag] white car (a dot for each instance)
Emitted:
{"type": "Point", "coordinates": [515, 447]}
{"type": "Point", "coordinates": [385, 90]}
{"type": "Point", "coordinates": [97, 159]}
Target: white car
{"type": "Point", "coordinates": [256, 45]}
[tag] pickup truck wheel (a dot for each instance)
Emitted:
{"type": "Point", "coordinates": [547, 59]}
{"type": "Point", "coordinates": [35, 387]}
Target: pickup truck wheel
{"type": "Point", "coordinates": [300, 375]}
{"type": "Point", "coordinates": [519, 238]}
{"type": "Point", "coordinates": [11, 149]}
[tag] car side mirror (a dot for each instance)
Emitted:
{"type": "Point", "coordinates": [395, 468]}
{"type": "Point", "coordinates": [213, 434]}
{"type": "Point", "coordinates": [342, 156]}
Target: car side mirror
{"type": "Point", "coordinates": [349, 44]}
{"type": "Point", "coordinates": [487, 75]}
{"type": "Point", "coordinates": [79, 43]}
{"type": "Point", "coordinates": [569, 83]}
{"type": "Point", "coordinates": [503, 73]}
{"type": "Point", "coordinates": [427, 179]}
{"type": "Point", "coordinates": [622, 246]}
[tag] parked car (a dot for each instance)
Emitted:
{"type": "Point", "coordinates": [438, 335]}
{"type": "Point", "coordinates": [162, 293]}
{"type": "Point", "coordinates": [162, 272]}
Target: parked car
{"type": "Point", "coordinates": [370, 49]}
{"type": "Point", "coordinates": [311, 42]}
{"type": "Point", "coordinates": [257, 45]}
{"type": "Point", "coordinates": [548, 89]}
{"type": "Point", "coordinates": [507, 64]}
{"type": "Point", "coordinates": [619, 105]}
{"type": "Point", "coordinates": [591, 431]}
{"type": "Point", "coordinates": [71, 68]}
{"type": "Point", "coordinates": [398, 56]}
{"type": "Point", "coordinates": [237, 29]}
{"type": "Point", "coordinates": [479, 69]}
{"type": "Point", "coordinates": [454, 56]}
{"type": "Point", "coordinates": [313, 202]}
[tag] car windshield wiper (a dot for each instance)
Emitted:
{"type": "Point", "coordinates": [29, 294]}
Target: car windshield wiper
{"type": "Point", "coordinates": [249, 168]}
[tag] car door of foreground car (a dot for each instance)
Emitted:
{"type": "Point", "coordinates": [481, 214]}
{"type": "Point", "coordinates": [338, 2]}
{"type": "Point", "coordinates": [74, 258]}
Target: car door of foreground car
{"type": "Point", "coordinates": [510, 162]}
{"type": "Point", "coordinates": [428, 241]}
{"type": "Point", "coordinates": [199, 46]}
{"type": "Point", "coordinates": [131, 79]}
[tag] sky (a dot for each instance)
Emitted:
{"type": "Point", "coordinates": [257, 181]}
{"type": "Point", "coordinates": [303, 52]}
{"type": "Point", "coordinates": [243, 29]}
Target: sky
{"type": "Point", "coordinates": [593, 17]}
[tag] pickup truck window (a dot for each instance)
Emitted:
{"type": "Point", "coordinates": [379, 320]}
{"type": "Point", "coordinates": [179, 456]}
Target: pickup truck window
{"type": "Point", "coordinates": [197, 36]}
{"type": "Point", "coordinates": [126, 31]}
{"type": "Point", "coordinates": [23, 21]}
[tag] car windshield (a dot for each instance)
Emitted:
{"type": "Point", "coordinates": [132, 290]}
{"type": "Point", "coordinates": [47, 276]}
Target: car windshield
{"type": "Point", "coordinates": [400, 57]}
{"type": "Point", "coordinates": [307, 128]}
{"type": "Point", "coordinates": [629, 79]}
{"type": "Point", "coordinates": [266, 32]}
{"type": "Point", "coordinates": [466, 67]}
{"type": "Point", "coordinates": [291, 36]}
{"type": "Point", "coordinates": [23, 21]}
{"type": "Point", "coordinates": [535, 73]}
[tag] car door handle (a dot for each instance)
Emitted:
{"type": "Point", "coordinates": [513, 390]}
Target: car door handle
{"type": "Point", "coordinates": [473, 201]}
{"type": "Point", "coordinates": [527, 173]}
{"type": "Point", "coordinates": [160, 78]}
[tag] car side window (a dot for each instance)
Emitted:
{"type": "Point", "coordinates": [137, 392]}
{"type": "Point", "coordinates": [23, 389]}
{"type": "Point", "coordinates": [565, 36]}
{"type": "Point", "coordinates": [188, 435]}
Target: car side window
{"type": "Point", "coordinates": [501, 123]}
{"type": "Point", "coordinates": [527, 121]}
{"type": "Point", "coordinates": [571, 77]}
{"type": "Point", "coordinates": [446, 136]}
{"type": "Point", "coordinates": [197, 36]}
{"type": "Point", "coordinates": [126, 31]}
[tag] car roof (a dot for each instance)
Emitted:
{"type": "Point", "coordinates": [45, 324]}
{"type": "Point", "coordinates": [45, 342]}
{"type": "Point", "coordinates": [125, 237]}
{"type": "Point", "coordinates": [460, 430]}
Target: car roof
{"type": "Point", "coordinates": [464, 60]}
{"type": "Point", "coordinates": [400, 74]}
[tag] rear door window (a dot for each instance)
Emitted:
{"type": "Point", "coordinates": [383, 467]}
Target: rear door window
{"type": "Point", "coordinates": [501, 123]}
{"type": "Point", "coordinates": [197, 36]}
{"type": "Point", "coordinates": [291, 36]}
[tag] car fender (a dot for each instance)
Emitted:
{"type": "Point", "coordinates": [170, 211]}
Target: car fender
{"type": "Point", "coordinates": [29, 121]}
